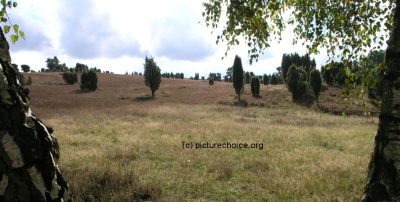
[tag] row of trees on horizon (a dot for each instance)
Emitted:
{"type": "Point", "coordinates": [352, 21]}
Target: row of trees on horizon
{"type": "Point", "coordinates": [365, 72]}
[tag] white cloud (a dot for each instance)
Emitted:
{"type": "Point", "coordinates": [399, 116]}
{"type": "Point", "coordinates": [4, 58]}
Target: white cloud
{"type": "Point", "coordinates": [117, 36]}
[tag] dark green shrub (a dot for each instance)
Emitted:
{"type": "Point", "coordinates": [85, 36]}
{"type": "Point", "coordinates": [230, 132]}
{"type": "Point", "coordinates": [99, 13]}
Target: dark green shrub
{"type": "Point", "coordinates": [255, 86]}
{"type": "Point", "coordinates": [70, 77]}
{"type": "Point", "coordinates": [303, 73]}
{"type": "Point", "coordinates": [295, 81]}
{"type": "Point", "coordinates": [89, 81]}
{"type": "Point", "coordinates": [247, 77]}
{"type": "Point", "coordinates": [273, 80]}
{"type": "Point", "coordinates": [152, 75]}
{"type": "Point", "coordinates": [316, 83]}
{"type": "Point", "coordinates": [265, 79]}
{"type": "Point", "coordinates": [237, 76]}
{"type": "Point", "coordinates": [196, 76]}
{"type": "Point", "coordinates": [334, 73]}
{"type": "Point", "coordinates": [211, 80]}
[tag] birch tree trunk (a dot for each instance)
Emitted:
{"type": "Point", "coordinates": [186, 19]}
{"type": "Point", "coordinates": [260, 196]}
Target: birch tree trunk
{"type": "Point", "coordinates": [28, 149]}
{"type": "Point", "coordinates": [383, 180]}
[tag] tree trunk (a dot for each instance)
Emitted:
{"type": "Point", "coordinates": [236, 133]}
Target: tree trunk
{"type": "Point", "coordinates": [383, 180]}
{"type": "Point", "coordinates": [28, 149]}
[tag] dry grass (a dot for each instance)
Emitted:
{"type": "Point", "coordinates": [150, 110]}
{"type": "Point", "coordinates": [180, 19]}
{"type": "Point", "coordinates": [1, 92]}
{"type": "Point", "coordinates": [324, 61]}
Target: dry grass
{"type": "Point", "coordinates": [115, 147]}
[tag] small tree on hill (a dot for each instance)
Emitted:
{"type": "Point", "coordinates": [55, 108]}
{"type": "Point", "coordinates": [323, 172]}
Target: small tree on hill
{"type": "Point", "coordinates": [273, 80]}
{"type": "Point", "coordinates": [89, 80]}
{"type": "Point", "coordinates": [255, 86]}
{"type": "Point", "coordinates": [211, 80]}
{"type": "Point", "coordinates": [247, 77]}
{"type": "Point", "coordinates": [70, 77]}
{"type": "Point", "coordinates": [237, 76]}
{"type": "Point", "coordinates": [265, 79]}
{"type": "Point", "coordinates": [152, 75]}
{"type": "Point", "coordinates": [316, 82]}
{"type": "Point", "coordinates": [295, 81]}
{"type": "Point", "coordinates": [25, 68]}
{"type": "Point", "coordinates": [196, 76]}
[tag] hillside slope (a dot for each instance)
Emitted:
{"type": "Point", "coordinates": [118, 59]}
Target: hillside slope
{"type": "Point", "coordinates": [50, 93]}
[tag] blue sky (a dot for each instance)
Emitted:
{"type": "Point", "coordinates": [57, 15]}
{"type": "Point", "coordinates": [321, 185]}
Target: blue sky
{"type": "Point", "coordinates": [117, 36]}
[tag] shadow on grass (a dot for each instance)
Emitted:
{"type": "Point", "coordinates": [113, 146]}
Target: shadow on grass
{"type": "Point", "coordinates": [307, 100]}
{"type": "Point", "coordinates": [143, 98]}
{"type": "Point", "coordinates": [257, 96]}
{"type": "Point", "coordinates": [82, 91]}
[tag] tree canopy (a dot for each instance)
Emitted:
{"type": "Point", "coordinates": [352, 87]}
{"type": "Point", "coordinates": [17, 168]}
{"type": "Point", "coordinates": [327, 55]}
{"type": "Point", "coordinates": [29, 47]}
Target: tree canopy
{"type": "Point", "coordinates": [350, 28]}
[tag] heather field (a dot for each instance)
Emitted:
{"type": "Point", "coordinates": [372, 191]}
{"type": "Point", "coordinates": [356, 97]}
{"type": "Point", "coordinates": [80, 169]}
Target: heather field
{"type": "Point", "coordinates": [119, 145]}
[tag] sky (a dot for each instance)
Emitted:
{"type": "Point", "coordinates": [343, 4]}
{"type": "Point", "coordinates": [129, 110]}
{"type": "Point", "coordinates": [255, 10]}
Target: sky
{"type": "Point", "coordinates": [117, 36]}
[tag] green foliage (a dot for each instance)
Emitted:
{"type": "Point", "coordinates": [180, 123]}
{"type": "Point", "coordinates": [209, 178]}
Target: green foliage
{"type": "Point", "coordinates": [237, 76]}
{"type": "Point", "coordinates": [273, 80]}
{"type": "Point", "coordinates": [52, 63]}
{"type": "Point", "coordinates": [265, 79]}
{"type": "Point", "coordinates": [70, 77]}
{"type": "Point", "coordinates": [300, 61]}
{"type": "Point", "coordinates": [334, 73]}
{"type": "Point", "coordinates": [285, 64]}
{"type": "Point", "coordinates": [4, 18]}
{"type": "Point", "coordinates": [152, 75]}
{"type": "Point", "coordinates": [216, 76]}
{"type": "Point", "coordinates": [296, 82]}
{"type": "Point", "coordinates": [303, 73]}
{"type": "Point", "coordinates": [226, 78]}
{"type": "Point", "coordinates": [373, 82]}
{"type": "Point", "coordinates": [211, 80]}
{"type": "Point", "coordinates": [79, 67]}
{"type": "Point", "coordinates": [351, 27]}
{"type": "Point", "coordinates": [25, 68]}
{"type": "Point", "coordinates": [255, 86]}
{"type": "Point", "coordinates": [247, 77]}
{"type": "Point", "coordinates": [89, 81]}
{"type": "Point", "coordinates": [316, 83]}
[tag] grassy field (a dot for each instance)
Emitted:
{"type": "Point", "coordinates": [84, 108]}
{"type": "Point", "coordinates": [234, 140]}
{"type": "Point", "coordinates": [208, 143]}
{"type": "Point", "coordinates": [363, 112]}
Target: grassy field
{"type": "Point", "coordinates": [116, 145]}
